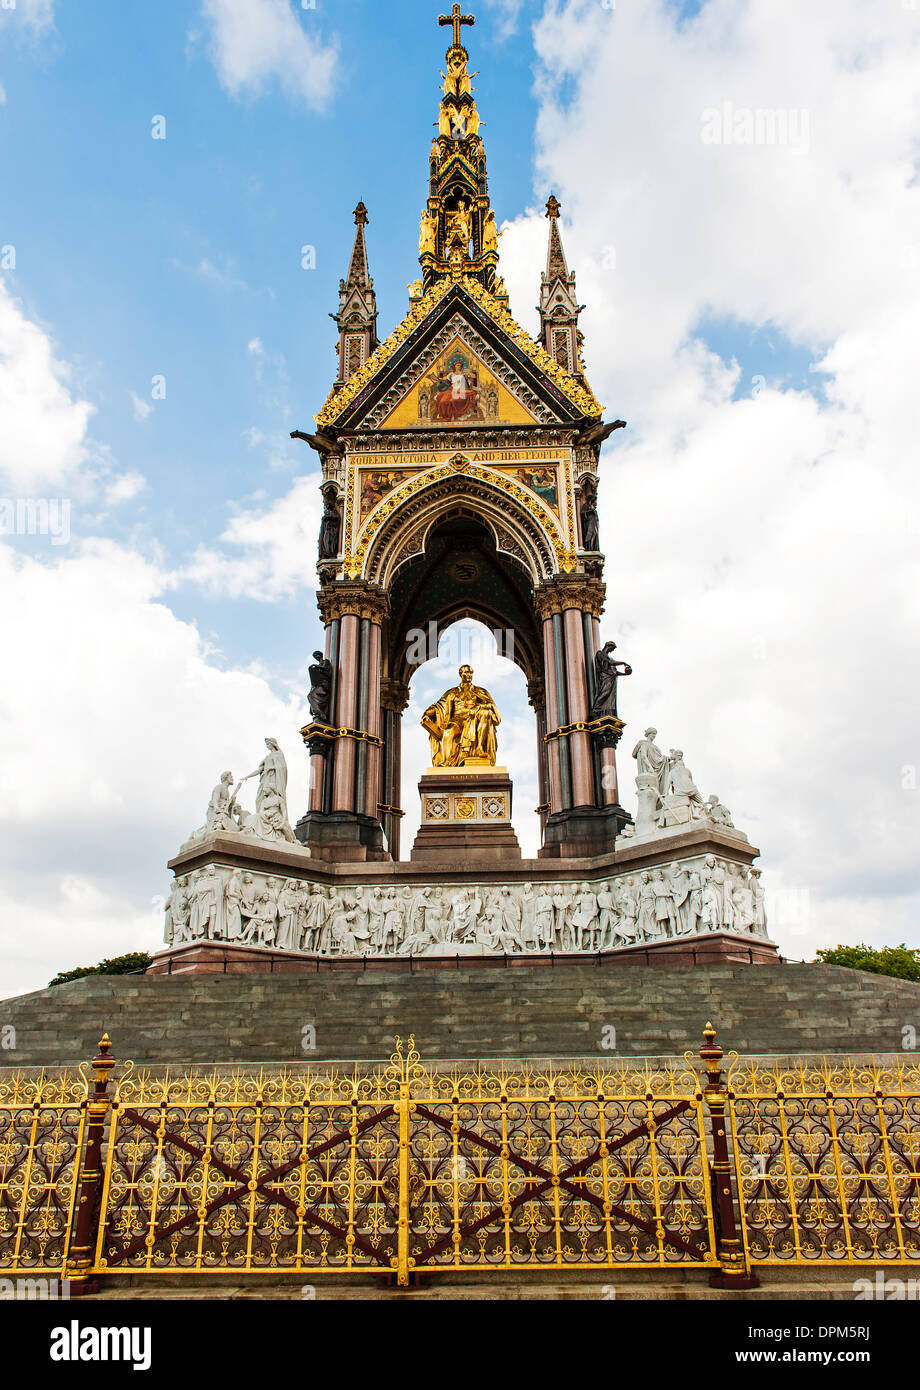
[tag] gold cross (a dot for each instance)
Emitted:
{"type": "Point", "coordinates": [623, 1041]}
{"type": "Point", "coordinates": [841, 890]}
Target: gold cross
{"type": "Point", "coordinates": [456, 19]}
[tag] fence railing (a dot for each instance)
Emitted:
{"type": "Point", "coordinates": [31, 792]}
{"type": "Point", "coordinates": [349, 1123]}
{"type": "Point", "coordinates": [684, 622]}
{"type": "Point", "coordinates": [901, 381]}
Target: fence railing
{"type": "Point", "coordinates": [405, 1170]}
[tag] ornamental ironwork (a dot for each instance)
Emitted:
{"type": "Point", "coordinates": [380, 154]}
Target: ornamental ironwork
{"type": "Point", "coordinates": [408, 1170]}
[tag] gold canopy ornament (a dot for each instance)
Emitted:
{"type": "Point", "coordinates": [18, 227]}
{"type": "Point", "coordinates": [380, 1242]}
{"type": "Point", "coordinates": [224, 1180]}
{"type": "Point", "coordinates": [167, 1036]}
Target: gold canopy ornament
{"type": "Point", "coordinates": [461, 725]}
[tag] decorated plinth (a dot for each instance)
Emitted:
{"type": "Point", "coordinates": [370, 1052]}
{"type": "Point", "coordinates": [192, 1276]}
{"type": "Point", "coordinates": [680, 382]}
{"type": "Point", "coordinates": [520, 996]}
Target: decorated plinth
{"type": "Point", "coordinates": [466, 816]}
{"type": "Point", "coordinates": [687, 894]}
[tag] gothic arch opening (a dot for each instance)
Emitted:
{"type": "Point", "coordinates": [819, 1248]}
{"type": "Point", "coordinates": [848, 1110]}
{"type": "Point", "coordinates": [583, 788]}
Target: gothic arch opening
{"type": "Point", "coordinates": [472, 642]}
{"type": "Point", "coordinates": [519, 535]}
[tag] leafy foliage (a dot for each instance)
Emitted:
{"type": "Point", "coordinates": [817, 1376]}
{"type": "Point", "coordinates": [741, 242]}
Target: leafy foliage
{"type": "Point", "coordinates": [902, 961]}
{"type": "Point", "coordinates": [134, 963]}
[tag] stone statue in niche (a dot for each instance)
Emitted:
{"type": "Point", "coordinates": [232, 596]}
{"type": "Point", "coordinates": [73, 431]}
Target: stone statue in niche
{"type": "Point", "coordinates": [330, 526]}
{"type": "Point", "coordinates": [607, 671]}
{"type": "Point", "coordinates": [590, 525]}
{"type": "Point", "coordinates": [320, 696]}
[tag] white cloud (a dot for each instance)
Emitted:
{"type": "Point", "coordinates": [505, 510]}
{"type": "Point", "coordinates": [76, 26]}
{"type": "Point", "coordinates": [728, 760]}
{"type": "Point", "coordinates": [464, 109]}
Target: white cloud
{"type": "Point", "coordinates": [507, 13]}
{"type": "Point", "coordinates": [268, 553]}
{"type": "Point", "coordinates": [2, 95]}
{"type": "Point", "coordinates": [43, 442]}
{"type": "Point", "coordinates": [32, 18]}
{"type": "Point", "coordinates": [255, 43]}
{"type": "Point", "coordinates": [142, 409]}
{"type": "Point", "coordinates": [124, 488]}
{"type": "Point", "coordinates": [117, 720]}
{"type": "Point", "coordinates": [762, 549]}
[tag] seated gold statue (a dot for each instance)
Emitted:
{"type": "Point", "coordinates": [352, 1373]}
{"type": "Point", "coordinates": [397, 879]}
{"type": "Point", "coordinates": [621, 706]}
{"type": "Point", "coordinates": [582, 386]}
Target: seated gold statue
{"type": "Point", "coordinates": [462, 724]}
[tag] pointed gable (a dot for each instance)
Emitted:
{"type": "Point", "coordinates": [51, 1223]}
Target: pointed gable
{"type": "Point", "coordinates": [459, 316]}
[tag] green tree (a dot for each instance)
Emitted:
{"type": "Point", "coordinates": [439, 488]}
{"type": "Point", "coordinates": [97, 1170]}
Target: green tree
{"type": "Point", "coordinates": [902, 962]}
{"type": "Point", "coordinates": [134, 963]}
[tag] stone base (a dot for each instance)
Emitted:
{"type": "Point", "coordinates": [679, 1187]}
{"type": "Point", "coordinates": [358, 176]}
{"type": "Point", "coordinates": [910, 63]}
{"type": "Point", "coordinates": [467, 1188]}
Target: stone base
{"type": "Point", "coordinates": [583, 831]}
{"type": "Point", "coordinates": [228, 958]}
{"type": "Point", "coordinates": [466, 817]}
{"type": "Point", "coordinates": [471, 1009]}
{"type": "Point", "coordinates": [343, 836]}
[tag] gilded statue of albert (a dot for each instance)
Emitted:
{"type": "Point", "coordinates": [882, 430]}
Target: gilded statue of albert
{"type": "Point", "coordinates": [462, 724]}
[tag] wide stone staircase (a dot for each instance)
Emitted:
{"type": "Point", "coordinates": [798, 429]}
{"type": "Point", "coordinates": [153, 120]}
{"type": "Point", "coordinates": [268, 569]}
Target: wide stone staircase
{"type": "Point", "coordinates": [576, 1011]}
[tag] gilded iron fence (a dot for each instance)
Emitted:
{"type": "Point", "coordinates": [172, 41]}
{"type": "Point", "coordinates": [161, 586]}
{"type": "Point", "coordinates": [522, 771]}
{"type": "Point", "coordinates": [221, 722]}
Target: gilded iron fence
{"type": "Point", "coordinates": [828, 1160]}
{"type": "Point", "coordinates": [408, 1171]}
{"type": "Point", "coordinates": [42, 1131]}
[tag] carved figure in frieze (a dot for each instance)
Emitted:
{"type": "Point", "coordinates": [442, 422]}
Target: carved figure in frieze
{"type": "Point", "coordinates": [560, 908]}
{"type": "Point", "coordinates": [289, 901]}
{"type": "Point", "coordinates": [695, 902]}
{"type": "Point", "coordinates": [665, 915]}
{"type": "Point", "coordinates": [627, 912]}
{"type": "Point", "coordinates": [646, 920]}
{"type": "Point", "coordinates": [465, 907]}
{"type": "Point", "coordinates": [249, 902]}
{"type": "Point", "coordinates": [206, 918]}
{"type": "Point", "coordinates": [679, 883]}
{"type": "Point", "coordinates": [712, 894]}
{"type": "Point", "coordinates": [544, 918]}
{"type": "Point", "coordinates": [528, 934]}
{"type": "Point", "coordinates": [723, 875]}
{"type": "Point", "coordinates": [175, 927]}
{"type": "Point", "coordinates": [743, 904]}
{"type": "Point", "coordinates": [234, 906]}
{"type": "Point", "coordinates": [583, 919]}
{"type": "Point", "coordinates": [510, 909]}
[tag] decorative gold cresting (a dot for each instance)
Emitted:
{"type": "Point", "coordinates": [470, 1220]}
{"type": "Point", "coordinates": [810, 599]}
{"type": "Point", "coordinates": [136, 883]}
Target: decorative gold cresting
{"type": "Point", "coordinates": [461, 725]}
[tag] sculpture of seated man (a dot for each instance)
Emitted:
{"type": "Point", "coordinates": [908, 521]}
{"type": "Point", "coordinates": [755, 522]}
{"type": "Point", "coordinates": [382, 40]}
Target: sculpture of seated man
{"type": "Point", "coordinates": [462, 724]}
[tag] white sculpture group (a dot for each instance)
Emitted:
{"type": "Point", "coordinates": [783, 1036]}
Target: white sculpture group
{"type": "Point", "coordinates": [667, 793]}
{"type": "Point", "coordinates": [686, 898]}
{"type": "Point", "coordinates": [270, 821]}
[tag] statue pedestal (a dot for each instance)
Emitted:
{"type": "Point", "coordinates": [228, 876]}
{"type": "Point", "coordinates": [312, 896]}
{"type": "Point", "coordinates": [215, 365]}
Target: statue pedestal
{"type": "Point", "coordinates": [466, 815]}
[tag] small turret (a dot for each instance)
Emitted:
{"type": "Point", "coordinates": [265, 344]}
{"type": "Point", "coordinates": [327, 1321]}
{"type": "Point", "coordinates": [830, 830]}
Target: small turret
{"type": "Point", "coordinates": [357, 316]}
{"type": "Point", "coordinates": [559, 307]}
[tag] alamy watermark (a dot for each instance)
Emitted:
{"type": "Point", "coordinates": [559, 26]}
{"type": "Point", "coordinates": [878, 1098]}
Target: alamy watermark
{"type": "Point", "coordinates": [458, 646]}
{"type": "Point", "coordinates": [781, 126]}
{"type": "Point", "coordinates": [36, 516]}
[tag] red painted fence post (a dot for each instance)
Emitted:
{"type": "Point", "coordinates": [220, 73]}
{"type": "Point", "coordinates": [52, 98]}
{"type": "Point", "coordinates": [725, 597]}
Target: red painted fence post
{"type": "Point", "coordinates": [85, 1233]}
{"type": "Point", "coordinates": [734, 1271]}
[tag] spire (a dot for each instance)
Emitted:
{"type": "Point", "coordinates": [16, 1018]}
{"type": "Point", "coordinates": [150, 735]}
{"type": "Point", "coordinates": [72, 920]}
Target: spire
{"type": "Point", "coordinates": [357, 316]}
{"type": "Point", "coordinates": [458, 234]}
{"type": "Point", "coordinates": [559, 307]}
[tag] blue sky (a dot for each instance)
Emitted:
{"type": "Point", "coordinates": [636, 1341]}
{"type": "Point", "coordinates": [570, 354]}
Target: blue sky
{"type": "Point", "coordinates": [169, 256]}
{"type": "Point", "coordinates": [751, 310]}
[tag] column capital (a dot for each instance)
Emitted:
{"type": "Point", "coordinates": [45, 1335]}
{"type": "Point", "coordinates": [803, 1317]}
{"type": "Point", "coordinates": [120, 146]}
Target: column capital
{"type": "Point", "coordinates": [536, 692]}
{"type": "Point", "coordinates": [394, 695]}
{"type": "Point", "coordinates": [565, 591]}
{"type": "Point", "coordinates": [342, 597]}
